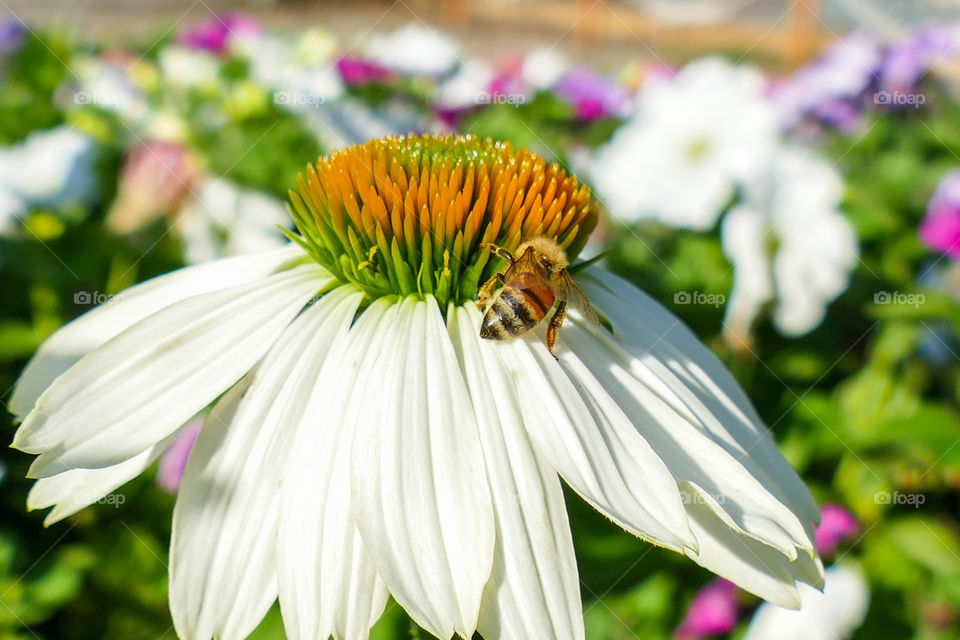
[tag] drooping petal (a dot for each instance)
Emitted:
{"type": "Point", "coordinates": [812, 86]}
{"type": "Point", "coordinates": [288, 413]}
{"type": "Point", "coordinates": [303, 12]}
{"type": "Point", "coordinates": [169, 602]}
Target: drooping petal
{"type": "Point", "coordinates": [73, 341]}
{"type": "Point", "coordinates": [752, 565]}
{"type": "Point", "coordinates": [140, 386]}
{"type": "Point", "coordinates": [72, 490]}
{"type": "Point", "coordinates": [223, 574]}
{"type": "Point", "coordinates": [609, 374]}
{"type": "Point", "coordinates": [419, 488]}
{"type": "Point", "coordinates": [660, 341]}
{"type": "Point", "coordinates": [533, 591]}
{"type": "Point", "coordinates": [328, 583]}
{"type": "Point", "coordinates": [595, 448]}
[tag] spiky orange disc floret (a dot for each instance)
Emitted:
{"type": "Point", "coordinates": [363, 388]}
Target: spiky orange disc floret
{"type": "Point", "coordinates": [408, 215]}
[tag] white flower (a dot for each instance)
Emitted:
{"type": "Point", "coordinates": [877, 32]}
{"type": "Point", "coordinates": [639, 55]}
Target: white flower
{"type": "Point", "coordinates": [108, 86]}
{"type": "Point", "coordinates": [416, 50]}
{"type": "Point", "coordinates": [368, 441]}
{"type": "Point", "coordinates": [693, 140]}
{"type": "Point", "coordinates": [11, 209]}
{"type": "Point", "coordinates": [543, 67]}
{"type": "Point", "coordinates": [788, 241]}
{"type": "Point", "coordinates": [833, 614]}
{"type": "Point", "coordinates": [467, 88]}
{"type": "Point", "coordinates": [50, 168]}
{"type": "Point", "coordinates": [224, 219]}
{"type": "Point", "coordinates": [300, 73]}
{"type": "Point", "coordinates": [187, 68]}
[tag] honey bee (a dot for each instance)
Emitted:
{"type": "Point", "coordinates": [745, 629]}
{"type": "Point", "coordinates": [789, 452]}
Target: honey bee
{"type": "Point", "coordinates": [529, 286]}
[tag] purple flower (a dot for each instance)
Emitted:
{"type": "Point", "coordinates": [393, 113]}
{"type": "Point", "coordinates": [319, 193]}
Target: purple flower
{"type": "Point", "coordinates": [358, 71]}
{"type": "Point", "coordinates": [593, 95]}
{"type": "Point", "coordinates": [837, 524]}
{"type": "Point", "coordinates": [831, 88]}
{"type": "Point", "coordinates": [713, 611]}
{"type": "Point", "coordinates": [908, 61]}
{"type": "Point", "coordinates": [214, 34]}
{"type": "Point", "coordinates": [174, 459]}
{"type": "Point", "coordinates": [940, 229]}
{"type": "Point", "coordinates": [11, 36]}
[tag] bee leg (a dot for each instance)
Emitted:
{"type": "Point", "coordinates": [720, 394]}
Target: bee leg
{"type": "Point", "coordinates": [555, 321]}
{"type": "Point", "coordinates": [486, 291]}
{"type": "Point", "coordinates": [500, 251]}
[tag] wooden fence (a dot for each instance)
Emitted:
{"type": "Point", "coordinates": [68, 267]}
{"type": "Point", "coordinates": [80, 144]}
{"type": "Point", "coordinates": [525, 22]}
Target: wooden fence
{"type": "Point", "coordinates": [791, 41]}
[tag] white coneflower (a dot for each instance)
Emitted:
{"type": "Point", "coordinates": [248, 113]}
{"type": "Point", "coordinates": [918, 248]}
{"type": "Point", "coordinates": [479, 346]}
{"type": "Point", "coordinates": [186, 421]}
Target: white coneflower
{"type": "Point", "coordinates": [369, 442]}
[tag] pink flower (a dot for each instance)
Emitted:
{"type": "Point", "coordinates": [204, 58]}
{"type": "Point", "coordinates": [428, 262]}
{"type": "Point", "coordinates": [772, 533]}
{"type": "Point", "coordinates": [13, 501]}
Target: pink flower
{"type": "Point", "coordinates": [358, 71]}
{"type": "Point", "coordinates": [155, 179]}
{"type": "Point", "coordinates": [214, 34]}
{"type": "Point", "coordinates": [940, 230]}
{"type": "Point", "coordinates": [713, 611]}
{"type": "Point", "coordinates": [174, 459]}
{"type": "Point", "coordinates": [837, 525]}
{"type": "Point", "coordinates": [509, 85]}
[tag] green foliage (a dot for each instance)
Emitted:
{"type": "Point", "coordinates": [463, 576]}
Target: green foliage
{"type": "Point", "coordinates": [28, 80]}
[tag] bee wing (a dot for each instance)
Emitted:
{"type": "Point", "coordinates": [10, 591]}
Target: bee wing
{"type": "Point", "coordinates": [572, 292]}
{"type": "Point", "coordinates": [526, 263]}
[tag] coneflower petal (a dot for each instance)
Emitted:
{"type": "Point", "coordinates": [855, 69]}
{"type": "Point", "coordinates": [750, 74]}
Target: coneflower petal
{"type": "Point", "coordinates": [595, 448]}
{"type": "Point", "coordinates": [752, 565]}
{"type": "Point", "coordinates": [72, 490]}
{"type": "Point", "coordinates": [647, 330]}
{"type": "Point", "coordinates": [223, 574]}
{"type": "Point", "coordinates": [419, 488]}
{"type": "Point", "coordinates": [71, 342]}
{"type": "Point", "coordinates": [139, 387]}
{"type": "Point", "coordinates": [689, 452]}
{"type": "Point", "coordinates": [328, 582]}
{"type": "Point", "coordinates": [534, 590]}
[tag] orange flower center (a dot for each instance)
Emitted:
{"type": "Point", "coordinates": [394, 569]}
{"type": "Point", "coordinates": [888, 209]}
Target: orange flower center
{"type": "Point", "coordinates": [413, 215]}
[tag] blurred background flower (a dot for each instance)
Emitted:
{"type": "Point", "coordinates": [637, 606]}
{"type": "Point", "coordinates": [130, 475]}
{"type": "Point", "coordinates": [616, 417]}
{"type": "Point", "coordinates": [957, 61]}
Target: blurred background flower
{"type": "Point", "coordinates": [940, 229]}
{"type": "Point", "coordinates": [788, 241]}
{"type": "Point", "coordinates": [155, 179]}
{"type": "Point", "coordinates": [222, 219]}
{"type": "Point", "coordinates": [414, 49]}
{"type": "Point", "coordinates": [833, 614]}
{"type": "Point", "coordinates": [694, 138]}
{"type": "Point", "coordinates": [51, 169]}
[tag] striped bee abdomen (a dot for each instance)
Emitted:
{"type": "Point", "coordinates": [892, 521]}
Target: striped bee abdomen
{"type": "Point", "coordinates": [515, 311]}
